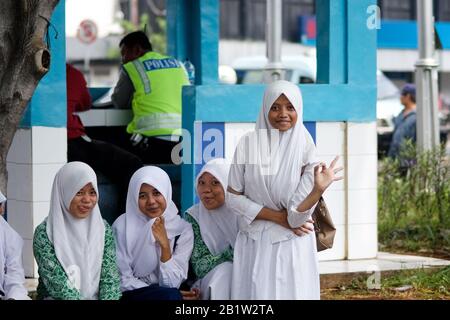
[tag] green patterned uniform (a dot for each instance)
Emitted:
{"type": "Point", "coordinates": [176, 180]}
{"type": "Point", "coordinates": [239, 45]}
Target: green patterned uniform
{"type": "Point", "coordinates": [202, 260]}
{"type": "Point", "coordinates": [53, 281]}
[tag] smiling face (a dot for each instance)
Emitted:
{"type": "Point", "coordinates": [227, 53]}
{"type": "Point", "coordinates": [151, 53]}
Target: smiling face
{"type": "Point", "coordinates": [151, 201]}
{"type": "Point", "coordinates": [282, 114]}
{"type": "Point", "coordinates": [84, 201]}
{"type": "Point", "coordinates": [210, 191]}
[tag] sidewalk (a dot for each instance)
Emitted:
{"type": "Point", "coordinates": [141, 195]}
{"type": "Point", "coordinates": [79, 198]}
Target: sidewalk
{"type": "Point", "coordinates": [335, 272]}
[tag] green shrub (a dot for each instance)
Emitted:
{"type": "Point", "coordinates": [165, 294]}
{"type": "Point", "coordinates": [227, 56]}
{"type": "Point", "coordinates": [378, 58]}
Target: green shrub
{"type": "Point", "coordinates": [414, 200]}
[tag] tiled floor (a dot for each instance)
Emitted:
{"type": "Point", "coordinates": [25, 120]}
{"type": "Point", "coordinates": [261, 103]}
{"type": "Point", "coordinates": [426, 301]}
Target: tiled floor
{"type": "Point", "coordinates": [384, 262]}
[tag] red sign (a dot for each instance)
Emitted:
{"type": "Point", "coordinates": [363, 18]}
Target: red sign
{"type": "Point", "coordinates": [87, 32]}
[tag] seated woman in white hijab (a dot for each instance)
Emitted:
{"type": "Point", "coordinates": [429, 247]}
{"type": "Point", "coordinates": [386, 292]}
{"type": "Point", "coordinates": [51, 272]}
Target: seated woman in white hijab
{"type": "Point", "coordinates": [74, 247]}
{"type": "Point", "coordinates": [12, 279]}
{"type": "Point", "coordinates": [153, 242]}
{"type": "Point", "coordinates": [215, 230]}
{"type": "Point", "coordinates": [274, 187]}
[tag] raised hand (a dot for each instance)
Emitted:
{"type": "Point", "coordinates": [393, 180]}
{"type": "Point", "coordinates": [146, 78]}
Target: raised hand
{"type": "Point", "coordinates": [159, 232]}
{"type": "Point", "coordinates": [324, 177]}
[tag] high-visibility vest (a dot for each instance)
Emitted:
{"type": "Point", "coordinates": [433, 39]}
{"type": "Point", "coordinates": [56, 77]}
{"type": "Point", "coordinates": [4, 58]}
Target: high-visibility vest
{"type": "Point", "coordinates": [158, 81]}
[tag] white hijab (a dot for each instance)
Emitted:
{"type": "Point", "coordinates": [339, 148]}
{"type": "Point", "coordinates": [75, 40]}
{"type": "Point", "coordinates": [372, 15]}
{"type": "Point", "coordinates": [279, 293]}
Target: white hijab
{"type": "Point", "coordinates": [142, 249]}
{"type": "Point", "coordinates": [78, 243]}
{"type": "Point", "coordinates": [218, 227]}
{"type": "Point", "coordinates": [277, 187]}
{"type": "Point", "coordinates": [3, 226]}
{"type": "Point", "coordinates": [2, 198]}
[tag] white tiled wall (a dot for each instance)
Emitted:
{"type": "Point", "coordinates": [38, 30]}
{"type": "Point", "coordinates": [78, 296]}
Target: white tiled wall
{"type": "Point", "coordinates": [330, 139]}
{"type": "Point", "coordinates": [330, 142]}
{"type": "Point", "coordinates": [362, 241]}
{"type": "Point", "coordinates": [35, 156]}
{"type": "Point", "coordinates": [362, 190]}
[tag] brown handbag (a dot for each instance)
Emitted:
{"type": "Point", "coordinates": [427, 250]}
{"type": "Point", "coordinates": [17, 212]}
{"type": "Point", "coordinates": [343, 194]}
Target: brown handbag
{"type": "Point", "coordinates": [323, 226]}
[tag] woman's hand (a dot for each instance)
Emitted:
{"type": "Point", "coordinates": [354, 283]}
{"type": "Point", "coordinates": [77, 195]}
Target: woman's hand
{"type": "Point", "coordinates": [324, 177]}
{"type": "Point", "coordinates": [194, 294]}
{"type": "Point", "coordinates": [159, 232]}
{"type": "Point", "coordinates": [305, 229]}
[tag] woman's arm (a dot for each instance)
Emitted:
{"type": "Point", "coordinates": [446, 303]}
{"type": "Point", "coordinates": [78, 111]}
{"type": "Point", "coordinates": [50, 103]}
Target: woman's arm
{"type": "Point", "coordinates": [14, 279]}
{"type": "Point", "coordinates": [51, 273]}
{"type": "Point", "coordinates": [127, 279]}
{"type": "Point", "coordinates": [174, 271]}
{"type": "Point", "coordinates": [109, 288]}
{"type": "Point", "coordinates": [250, 210]}
{"type": "Point", "coordinates": [314, 182]}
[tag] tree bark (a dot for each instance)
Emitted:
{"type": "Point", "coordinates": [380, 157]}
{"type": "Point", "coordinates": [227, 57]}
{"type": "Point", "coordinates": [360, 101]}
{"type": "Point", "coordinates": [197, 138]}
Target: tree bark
{"type": "Point", "coordinates": [24, 60]}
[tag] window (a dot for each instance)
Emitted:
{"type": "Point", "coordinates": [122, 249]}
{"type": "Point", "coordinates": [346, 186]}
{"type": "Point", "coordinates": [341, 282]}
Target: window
{"type": "Point", "coordinates": [246, 19]}
{"type": "Point", "coordinates": [442, 10]}
{"type": "Point", "coordinates": [398, 9]}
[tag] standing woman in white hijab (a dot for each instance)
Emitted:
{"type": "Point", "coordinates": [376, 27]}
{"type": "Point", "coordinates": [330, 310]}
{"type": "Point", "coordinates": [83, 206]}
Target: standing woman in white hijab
{"type": "Point", "coordinates": [274, 187]}
{"type": "Point", "coordinates": [12, 278]}
{"type": "Point", "coordinates": [153, 242]}
{"type": "Point", "coordinates": [215, 230]}
{"type": "Point", "coordinates": [74, 247]}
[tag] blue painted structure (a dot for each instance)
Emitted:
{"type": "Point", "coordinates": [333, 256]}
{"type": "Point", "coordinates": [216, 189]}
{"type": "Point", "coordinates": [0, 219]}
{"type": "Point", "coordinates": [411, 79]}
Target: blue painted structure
{"type": "Point", "coordinates": [346, 55]}
{"type": "Point", "coordinates": [48, 106]}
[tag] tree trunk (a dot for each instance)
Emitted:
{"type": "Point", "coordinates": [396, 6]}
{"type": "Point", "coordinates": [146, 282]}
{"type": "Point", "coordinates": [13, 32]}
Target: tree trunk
{"type": "Point", "coordinates": [24, 60]}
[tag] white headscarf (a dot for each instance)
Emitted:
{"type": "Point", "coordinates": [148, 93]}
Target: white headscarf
{"type": "Point", "coordinates": [277, 187]}
{"type": "Point", "coordinates": [3, 226]}
{"type": "Point", "coordinates": [140, 243]}
{"type": "Point", "coordinates": [218, 227]}
{"type": "Point", "coordinates": [78, 243]}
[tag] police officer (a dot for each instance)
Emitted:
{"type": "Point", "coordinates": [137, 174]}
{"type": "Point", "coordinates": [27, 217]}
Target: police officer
{"type": "Point", "coordinates": [152, 83]}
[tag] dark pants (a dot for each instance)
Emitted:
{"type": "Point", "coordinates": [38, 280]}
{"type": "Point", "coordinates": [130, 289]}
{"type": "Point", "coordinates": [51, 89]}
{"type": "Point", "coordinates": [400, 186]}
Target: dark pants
{"type": "Point", "coordinates": [152, 292]}
{"type": "Point", "coordinates": [154, 150]}
{"type": "Point", "coordinates": [115, 163]}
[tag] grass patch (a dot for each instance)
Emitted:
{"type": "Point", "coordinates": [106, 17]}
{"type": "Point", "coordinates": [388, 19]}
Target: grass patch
{"type": "Point", "coordinates": [414, 284]}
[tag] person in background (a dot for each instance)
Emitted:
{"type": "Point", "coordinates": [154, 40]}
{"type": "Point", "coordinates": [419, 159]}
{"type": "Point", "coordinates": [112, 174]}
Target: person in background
{"type": "Point", "coordinates": [114, 162]}
{"type": "Point", "coordinates": [152, 84]}
{"type": "Point", "coordinates": [12, 278]}
{"type": "Point", "coordinates": [405, 122]}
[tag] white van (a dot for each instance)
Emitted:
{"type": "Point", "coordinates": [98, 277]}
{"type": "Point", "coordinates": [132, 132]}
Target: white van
{"type": "Point", "coordinates": [298, 69]}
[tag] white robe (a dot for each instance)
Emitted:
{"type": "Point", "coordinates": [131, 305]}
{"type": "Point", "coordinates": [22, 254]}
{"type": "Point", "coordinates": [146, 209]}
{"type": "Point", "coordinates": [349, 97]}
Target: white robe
{"type": "Point", "coordinates": [12, 279]}
{"type": "Point", "coordinates": [270, 261]}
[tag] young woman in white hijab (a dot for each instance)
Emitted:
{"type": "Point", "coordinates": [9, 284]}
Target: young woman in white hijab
{"type": "Point", "coordinates": [215, 230]}
{"type": "Point", "coordinates": [12, 278]}
{"type": "Point", "coordinates": [74, 247]}
{"type": "Point", "coordinates": [274, 186]}
{"type": "Point", "coordinates": [153, 242]}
